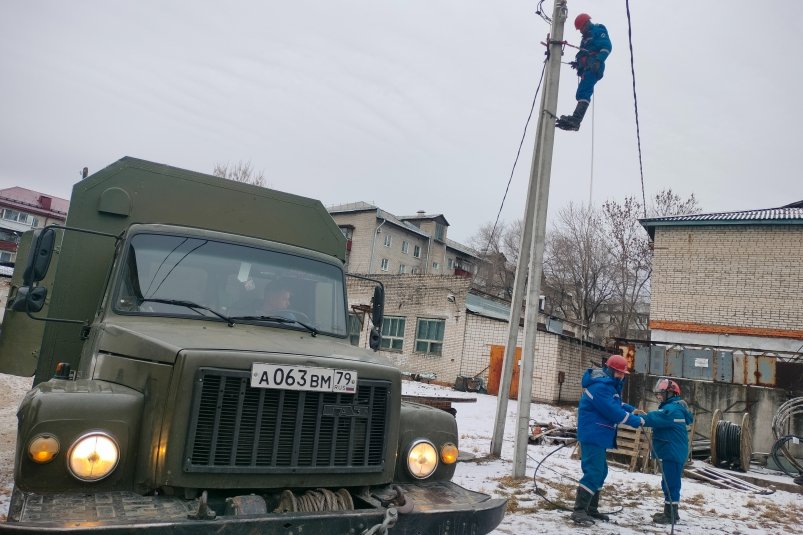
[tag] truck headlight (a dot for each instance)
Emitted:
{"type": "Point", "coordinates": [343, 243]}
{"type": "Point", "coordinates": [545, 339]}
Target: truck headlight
{"type": "Point", "coordinates": [43, 448]}
{"type": "Point", "coordinates": [93, 456]}
{"type": "Point", "coordinates": [422, 459]}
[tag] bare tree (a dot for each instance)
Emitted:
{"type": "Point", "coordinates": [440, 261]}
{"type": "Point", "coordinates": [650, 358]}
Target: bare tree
{"type": "Point", "coordinates": [577, 265]}
{"type": "Point", "coordinates": [495, 248]}
{"type": "Point", "coordinates": [632, 260]}
{"type": "Point", "coordinates": [667, 203]}
{"type": "Point", "coordinates": [240, 172]}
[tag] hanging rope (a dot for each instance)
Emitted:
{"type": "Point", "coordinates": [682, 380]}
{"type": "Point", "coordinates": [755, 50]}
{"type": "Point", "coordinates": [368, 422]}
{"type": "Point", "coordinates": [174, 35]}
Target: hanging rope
{"type": "Point", "coordinates": [635, 105]}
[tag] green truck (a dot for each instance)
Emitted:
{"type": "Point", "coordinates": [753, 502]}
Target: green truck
{"type": "Point", "coordinates": [168, 398]}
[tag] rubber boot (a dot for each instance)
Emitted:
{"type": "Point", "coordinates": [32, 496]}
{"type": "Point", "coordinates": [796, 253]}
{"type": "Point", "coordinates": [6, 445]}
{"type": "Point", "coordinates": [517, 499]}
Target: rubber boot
{"type": "Point", "coordinates": [665, 517]}
{"type": "Point", "coordinates": [582, 501]}
{"type": "Point", "coordinates": [572, 122]}
{"type": "Point", "coordinates": [593, 509]}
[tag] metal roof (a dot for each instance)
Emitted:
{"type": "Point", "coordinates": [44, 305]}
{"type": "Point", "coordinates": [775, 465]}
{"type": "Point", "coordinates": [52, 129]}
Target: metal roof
{"type": "Point", "coordinates": [791, 214]}
{"type": "Point", "coordinates": [487, 307]}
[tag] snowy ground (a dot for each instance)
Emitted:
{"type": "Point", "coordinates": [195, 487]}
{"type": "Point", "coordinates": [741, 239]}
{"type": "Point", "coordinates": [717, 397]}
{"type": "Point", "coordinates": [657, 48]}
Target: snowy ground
{"type": "Point", "coordinates": [704, 508]}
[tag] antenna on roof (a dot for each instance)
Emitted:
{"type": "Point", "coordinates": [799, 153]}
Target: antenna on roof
{"type": "Point", "coordinates": [84, 172]}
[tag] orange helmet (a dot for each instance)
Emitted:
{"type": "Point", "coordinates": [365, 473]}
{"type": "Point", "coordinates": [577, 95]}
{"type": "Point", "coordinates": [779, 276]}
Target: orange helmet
{"type": "Point", "coordinates": [668, 386]}
{"type": "Point", "coordinates": [581, 20]}
{"type": "Point", "coordinates": [617, 363]}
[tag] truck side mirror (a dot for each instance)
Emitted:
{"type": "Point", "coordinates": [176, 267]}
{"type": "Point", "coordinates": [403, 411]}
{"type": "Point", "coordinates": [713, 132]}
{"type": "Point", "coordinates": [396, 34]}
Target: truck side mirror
{"type": "Point", "coordinates": [39, 258]}
{"type": "Point", "coordinates": [377, 313]}
{"type": "Point", "coordinates": [29, 299]}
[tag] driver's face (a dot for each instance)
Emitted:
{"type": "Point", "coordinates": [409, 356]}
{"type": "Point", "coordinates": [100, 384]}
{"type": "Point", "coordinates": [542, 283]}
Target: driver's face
{"type": "Point", "coordinates": [279, 300]}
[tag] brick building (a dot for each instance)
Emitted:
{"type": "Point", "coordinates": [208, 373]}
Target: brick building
{"type": "Point", "coordinates": [729, 279]}
{"type": "Point", "coordinates": [436, 326]}
{"type": "Point", "coordinates": [22, 209]}
{"type": "Point", "coordinates": [380, 242]}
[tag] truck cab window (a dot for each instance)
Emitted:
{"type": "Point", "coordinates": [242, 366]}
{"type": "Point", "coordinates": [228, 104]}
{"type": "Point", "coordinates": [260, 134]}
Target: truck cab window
{"type": "Point", "coordinates": [195, 278]}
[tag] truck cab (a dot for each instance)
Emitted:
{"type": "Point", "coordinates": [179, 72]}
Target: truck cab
{"type": "Point", "coordinates": [188, 337]}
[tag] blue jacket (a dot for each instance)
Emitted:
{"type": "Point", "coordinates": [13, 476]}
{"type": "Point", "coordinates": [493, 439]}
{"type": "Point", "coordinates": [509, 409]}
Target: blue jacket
{"type": "Point", "coordinates": [670, 439]}
{"type": "Point", "coordinates": [595, 46]}
{"type": "Point", "coordinates": [602, 409]}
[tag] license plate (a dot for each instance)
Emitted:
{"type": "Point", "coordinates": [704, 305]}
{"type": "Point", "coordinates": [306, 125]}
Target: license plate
{"type": "Point", "coordinates": [305, 378]}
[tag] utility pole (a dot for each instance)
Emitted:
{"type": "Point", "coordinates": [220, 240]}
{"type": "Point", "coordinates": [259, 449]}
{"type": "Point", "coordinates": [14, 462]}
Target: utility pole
{"type": "Point", "coordinates": [532, 254]}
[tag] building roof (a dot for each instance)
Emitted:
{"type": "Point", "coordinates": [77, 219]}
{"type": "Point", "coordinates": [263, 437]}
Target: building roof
{"type": "Point", "coordinates": [791, 214]}
{"type": "Point", "coordinates": [487, 307]}
{"type": "Point", "coordinates": [28, 198]}
{"type": "Point", "coordinates": [423, 216]}
{"type": "Point", "coordinates": [361, 206]}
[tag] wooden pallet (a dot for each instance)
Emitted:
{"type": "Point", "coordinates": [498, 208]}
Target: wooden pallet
{"type": "Point", "coordinates": [630, 443]}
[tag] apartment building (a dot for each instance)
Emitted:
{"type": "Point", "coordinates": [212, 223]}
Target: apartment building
{"type": "Point", "coordinates": [23, 209]}
{"type": "Point", "coordinates": [382, 243]}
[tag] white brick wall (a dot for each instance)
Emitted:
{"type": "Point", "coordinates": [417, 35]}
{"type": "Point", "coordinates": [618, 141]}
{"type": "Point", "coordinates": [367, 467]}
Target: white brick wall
{"type": "Point", "coordinates": [736, 275]}
{"type": "Point", "coordinates": [468, 337]}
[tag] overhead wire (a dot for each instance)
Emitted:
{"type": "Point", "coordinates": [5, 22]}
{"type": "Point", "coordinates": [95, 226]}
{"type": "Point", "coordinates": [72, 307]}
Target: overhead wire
{"type": "Point", "coordinates": [635, 105]}
{"type": "Point", "coordinates": [518, 153]}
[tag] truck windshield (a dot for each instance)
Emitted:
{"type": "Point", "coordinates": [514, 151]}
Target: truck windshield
{"type": "Point", "coordinates": [203, 279]}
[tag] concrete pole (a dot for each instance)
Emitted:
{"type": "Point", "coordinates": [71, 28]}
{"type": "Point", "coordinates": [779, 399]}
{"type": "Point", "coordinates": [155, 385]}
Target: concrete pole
{"type": "Point", "coordinates": [520, 282]}
{"type": "Point", "coordinates": [546, 135]}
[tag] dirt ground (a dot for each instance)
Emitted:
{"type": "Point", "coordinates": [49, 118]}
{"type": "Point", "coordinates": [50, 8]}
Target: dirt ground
{"type": "Point", "coordinates": [12, 390]}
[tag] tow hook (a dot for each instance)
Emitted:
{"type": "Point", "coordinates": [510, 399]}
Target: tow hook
{"type": "Point", "coordinates": [204, 512]}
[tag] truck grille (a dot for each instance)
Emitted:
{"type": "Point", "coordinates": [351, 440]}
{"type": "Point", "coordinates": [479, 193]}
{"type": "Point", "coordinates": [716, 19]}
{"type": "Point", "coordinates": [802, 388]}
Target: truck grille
{"type": "Point", "coordinates": [235, 428]}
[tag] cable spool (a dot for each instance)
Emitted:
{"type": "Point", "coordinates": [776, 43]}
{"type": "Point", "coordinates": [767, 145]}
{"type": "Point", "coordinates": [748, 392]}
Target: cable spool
{"type": "Point", "coordinates": [731, 444]}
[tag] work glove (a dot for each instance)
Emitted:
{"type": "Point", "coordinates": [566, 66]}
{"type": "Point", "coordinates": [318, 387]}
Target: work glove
{"type": "Point", "coordinates": [638, 411]}
{"type": "Point", "coordinates": [574, 65]}
{"type": "Point", "coordinates": [641, 422]}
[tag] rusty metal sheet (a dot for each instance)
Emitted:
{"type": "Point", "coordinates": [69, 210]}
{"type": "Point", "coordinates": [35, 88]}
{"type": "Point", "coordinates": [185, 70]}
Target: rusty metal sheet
{"type": "Point", "coordinates": [723, 366]}
{"type": "Point", "coordinates": [642, 364]}
{"type": "Point", "coordinates": [764, 373]}
{"type": "Point", "coordinates": [740, 365]}
{"type": "Point", "coordinates": [674, 363]}
{"type": "Point", "coordinates": [698, 364]}
{"type": "Point", "coordinates": [657, 357]}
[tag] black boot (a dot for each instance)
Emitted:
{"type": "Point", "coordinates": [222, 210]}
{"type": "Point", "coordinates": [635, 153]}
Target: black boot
{"type": "Point", "coordinates": [581, 503]}
{"type": "Point", "coordinates": [593, 509]}
{"type": "Point", "coordinates": [665, 517]}
{"type": "Point", "coordinates": [572, 122]}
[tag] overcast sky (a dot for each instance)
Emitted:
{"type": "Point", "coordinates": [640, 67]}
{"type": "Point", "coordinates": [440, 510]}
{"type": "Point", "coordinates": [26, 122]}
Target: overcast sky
{"type": "Point", "coordinates": [408, 104]}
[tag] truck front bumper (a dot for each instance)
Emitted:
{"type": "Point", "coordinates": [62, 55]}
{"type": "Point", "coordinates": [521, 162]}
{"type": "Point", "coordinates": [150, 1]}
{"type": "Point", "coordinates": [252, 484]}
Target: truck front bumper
{"type": "Point", "coordinates": [438, 508]}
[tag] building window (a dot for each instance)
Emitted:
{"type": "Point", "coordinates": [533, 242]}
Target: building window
{"type": "Point", "coordinates": [402, 269]}
{"type": "Point", "coordinates": [355, 327]}
{"type": "Point", "coordinates": [385, 264]}
{"type": "Point", "coordinates": [405, 246]}
{"type": "Point", "coordinates": [429, 336]}
{"type": "Point", "coordinates": [393, 333]}
{"type": "Point", "coordinates": [449, 264]}
{"type": "Point", "coordinates": [388, 240]}
{"type": "Point", "coordinates": [417, 251]}
{"type": "Point", "coordinates": [435, 265]}
{"type": "Point", "coordinates": [440, 230]}
{"type": "Point", "coordinates": [20, 217]}
{"type": "Point", "coordinates": [348, 232]}
{"type": "Point", "coordinates": [5, 256]}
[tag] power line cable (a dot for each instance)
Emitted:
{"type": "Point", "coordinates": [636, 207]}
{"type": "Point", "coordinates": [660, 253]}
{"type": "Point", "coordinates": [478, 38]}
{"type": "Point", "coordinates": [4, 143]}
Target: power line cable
{"type": "Point", "coordinates": [518, 153]}
{"type": "Point", "coordinates": [635, 105]}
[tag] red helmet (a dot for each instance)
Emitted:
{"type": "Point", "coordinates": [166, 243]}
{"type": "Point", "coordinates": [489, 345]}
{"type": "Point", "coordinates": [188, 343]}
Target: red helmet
{"type": "Point", "coordinates": [581, 20]}
{"type": "Point", "coordinates": [668, 386]}
{"type": "Point", "coordinates": [617, 363]}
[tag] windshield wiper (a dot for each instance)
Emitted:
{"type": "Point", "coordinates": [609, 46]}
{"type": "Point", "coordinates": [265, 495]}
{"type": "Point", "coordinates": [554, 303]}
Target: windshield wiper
{"type": "Point", "coordinates": [189, 304]}
{"type": "Point", "coordinates": [279, 319]}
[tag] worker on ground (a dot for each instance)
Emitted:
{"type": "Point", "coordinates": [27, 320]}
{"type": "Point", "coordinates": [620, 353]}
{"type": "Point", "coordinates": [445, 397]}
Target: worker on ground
{"type": "Point", "coordinates": [670, 444]}
{"type": "Point", "coordinates": [590, 64]}
{"type": "Point", "coordinates": [601, 410]}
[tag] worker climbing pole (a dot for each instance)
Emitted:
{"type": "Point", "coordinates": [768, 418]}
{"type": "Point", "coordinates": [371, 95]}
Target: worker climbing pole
{"type": "Point", "coordinates": [590, 64]}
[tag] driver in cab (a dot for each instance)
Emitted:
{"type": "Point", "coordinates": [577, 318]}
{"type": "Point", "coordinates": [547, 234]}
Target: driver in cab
{"type": "Point", "coordinates": [277, 299]}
